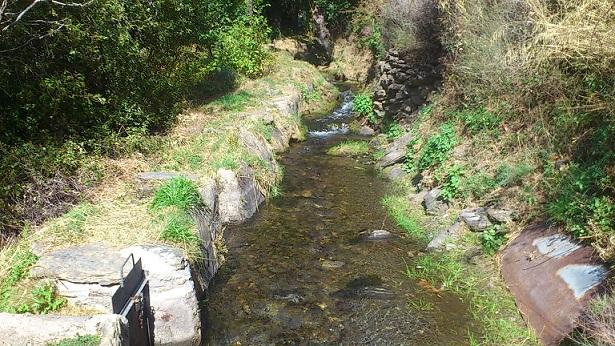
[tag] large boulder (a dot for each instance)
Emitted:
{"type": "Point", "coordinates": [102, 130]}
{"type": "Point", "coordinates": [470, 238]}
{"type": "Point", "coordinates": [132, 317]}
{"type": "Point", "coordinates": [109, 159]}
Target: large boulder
{"type": "Point", "coordinates": [239, 195]}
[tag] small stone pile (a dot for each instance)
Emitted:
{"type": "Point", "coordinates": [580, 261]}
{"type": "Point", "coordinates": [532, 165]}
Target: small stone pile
{"type": "Point", "coordinates": [404, 86]}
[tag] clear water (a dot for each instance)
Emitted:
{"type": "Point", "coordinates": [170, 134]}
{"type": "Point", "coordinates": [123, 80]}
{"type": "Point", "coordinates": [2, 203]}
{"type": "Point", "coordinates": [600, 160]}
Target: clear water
{"type": "Point", "coordinates": [303, 273]}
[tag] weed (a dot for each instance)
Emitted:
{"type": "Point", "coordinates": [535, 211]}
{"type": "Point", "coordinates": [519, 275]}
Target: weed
{"type": "Point", "coordinates": [510, 175]}
{"type": "Point", "coordinates": [227, 161]}
{"type": "Point", "coordinates": [438, 147]}
{"type": "Point", "coordinates": [379, 154]}
{"type": "Point", "coordinates": [394, 131]}
{"type": "Point", "coordinates": [83, 340]}
{"type": "Point", "coordinates": [16, 263]}
{"type": "Point", "coordinates": [363, 105]}
{"type": "Point", "coordinates": [492, 240]}
{"type": "Point", "coordinates": [265, 129]}
{"type": "Point", "coordinates": [309, 94]}
{"type": "Point", "coordinates": [451, 183]}
{"type": "Point", "coordinates": [45, 299]}
{"type": "Point", "coordinates": [479, 120]}
{"type": "Point", "coordinates": [421, 304]}
{"type": "Point", "coordinates": [349, 148]}
{"type": "Point", "coordinates": [478, 185]}
{"type": "Point", "coordinates": [490, 304]}
{"type": "Point", "coordinates": [178, 192]}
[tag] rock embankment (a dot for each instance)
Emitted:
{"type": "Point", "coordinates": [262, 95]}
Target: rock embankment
{"type": "Point", "coordinates": [404, 86]}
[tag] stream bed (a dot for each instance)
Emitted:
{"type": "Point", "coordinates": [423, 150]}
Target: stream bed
{"type": "Point", "coordinates": [305, 271]}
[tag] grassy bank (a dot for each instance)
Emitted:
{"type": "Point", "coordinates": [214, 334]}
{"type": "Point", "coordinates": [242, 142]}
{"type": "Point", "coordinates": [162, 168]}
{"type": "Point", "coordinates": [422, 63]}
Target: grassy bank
{"type": "Point", "coordinates": [466, 270]}
{"type": "Point", "coordinates": [120, 212]}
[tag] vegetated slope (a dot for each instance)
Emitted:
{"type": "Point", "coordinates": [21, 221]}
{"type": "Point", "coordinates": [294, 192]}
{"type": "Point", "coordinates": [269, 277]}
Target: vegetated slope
{"type": "Point", "coordinates": [530, 87]}
{"type": "Point", "coordinates": [95, 78]}
{"type": "Point", "coordinates": [123, 211]}
{"type": "Point", "coordinates": [525, 120]}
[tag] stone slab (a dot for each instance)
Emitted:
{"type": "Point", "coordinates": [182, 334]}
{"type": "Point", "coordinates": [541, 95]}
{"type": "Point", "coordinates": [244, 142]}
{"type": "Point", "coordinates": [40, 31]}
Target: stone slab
{"type": "Point", "coordinates": [94, 263]}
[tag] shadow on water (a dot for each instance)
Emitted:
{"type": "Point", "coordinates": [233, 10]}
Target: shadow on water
{"type": "Point", "coordinates": [296, 274]}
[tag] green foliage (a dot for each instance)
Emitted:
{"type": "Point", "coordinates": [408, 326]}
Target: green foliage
{"type": "Point", "coordinates": [83, 340]}
{"type": "Point", "coordinates": [97, 79]}
{"type": "Point", "coordinates": [479, 120]}
{"type": "Point", "coordinates": [178, 192]}
{"type": "Point", "coordinates": [490, 304]}
{"type": "Point", "coordinates": [478, 185]}
{"type": "Point", "coordinates": [451, 183]}
{"type": "Point", "coordinates": [240, 47]}
{"type": "Point", "coordinates": [394, 131]}
{"type": "Point", "coordinates": [337, 12]}
{"type": "Point", "coordinates": [363, 105]}
{"type": "Point", "coordinates": [438, 147]}
{"type": "Point", "coordinates": [492, 240]}
{"type": "Point", "coordinates": [21, 260]}
{"type": "Point", "coordinates": [45, 299]}
{"type": "Point", "coordinates": [510, 175]}
{"type": "Point", "coordinates": [309, 94]}
{"type": "Point", "coordinates": [367, 27]}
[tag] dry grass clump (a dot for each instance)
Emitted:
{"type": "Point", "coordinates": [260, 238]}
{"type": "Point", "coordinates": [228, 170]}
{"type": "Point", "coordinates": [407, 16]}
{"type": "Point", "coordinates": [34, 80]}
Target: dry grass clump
{"type": "Point", "coordinates": [598, 325]}
{"type": "Point", "coordinates": [411, 26]}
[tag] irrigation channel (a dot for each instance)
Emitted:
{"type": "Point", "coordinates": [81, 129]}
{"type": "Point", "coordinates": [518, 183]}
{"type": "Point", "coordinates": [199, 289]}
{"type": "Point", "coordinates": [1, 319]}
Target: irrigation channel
{"type": "Point", "coordinates": [304, 270]}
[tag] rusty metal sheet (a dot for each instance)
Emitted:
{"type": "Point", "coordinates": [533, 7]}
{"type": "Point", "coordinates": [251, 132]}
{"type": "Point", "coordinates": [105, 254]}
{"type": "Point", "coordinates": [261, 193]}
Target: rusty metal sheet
{"type": "Point", "coordinates": [552, 278]}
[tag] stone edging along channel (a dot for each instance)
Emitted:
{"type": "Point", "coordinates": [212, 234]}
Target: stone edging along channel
{"type": "Point", "coordinates": [87, 275]}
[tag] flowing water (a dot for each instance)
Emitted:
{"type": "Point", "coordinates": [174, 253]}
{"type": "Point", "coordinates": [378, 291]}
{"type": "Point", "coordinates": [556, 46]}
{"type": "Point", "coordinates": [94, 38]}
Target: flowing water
{"type": "Point", "coordinates": [303, 271]}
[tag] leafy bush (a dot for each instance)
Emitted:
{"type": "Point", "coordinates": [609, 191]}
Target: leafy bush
{"type": "Point", "coordinates": [477, 185]}
{"type": "Point", "coordinates": [98, 78]}
{"type": "Point", "coordinates": [451, 183]}
{"type": "Point", "coordinates": [394, 131]}
{"type": "Point", "coordinates": [492, 240]}
{"type": "Point", "coordinates": [438, 147]}
{"type": "Point", "coordinates": [363, 105]}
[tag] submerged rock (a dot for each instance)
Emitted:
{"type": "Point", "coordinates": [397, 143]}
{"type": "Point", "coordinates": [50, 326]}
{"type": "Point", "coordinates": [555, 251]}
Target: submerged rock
{"type": "Point", "coordinates": [395, 172]}
{"type": "Point", "coordinates": [476, 219]}
{"type": "Point", "coordinates": [379, 235]}
{"type": "Point", "coordinates": [366, 131]}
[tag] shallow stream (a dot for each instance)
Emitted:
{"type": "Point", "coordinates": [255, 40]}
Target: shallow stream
{"type": "Point", "coordinates": [304, 271]}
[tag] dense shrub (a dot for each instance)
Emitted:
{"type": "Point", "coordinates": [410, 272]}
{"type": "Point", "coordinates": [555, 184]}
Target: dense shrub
{"type": "Point", "coordinates": [78, 79]}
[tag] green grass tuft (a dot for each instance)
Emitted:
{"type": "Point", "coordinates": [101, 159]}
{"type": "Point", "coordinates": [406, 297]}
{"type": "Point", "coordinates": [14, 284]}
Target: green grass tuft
{"type": "Point", "coordinates": [234, 102]}
{"type": "Point", "coordinates": [178, 192]}
{"type": "Point", "coordinates": [83, 340]}
{"type": "Point", "coordinates": [397, 208]}
{"type": "Point", "coordinates": [180, 228]}
{"type": "Point", "coordinates": [349, 148]}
